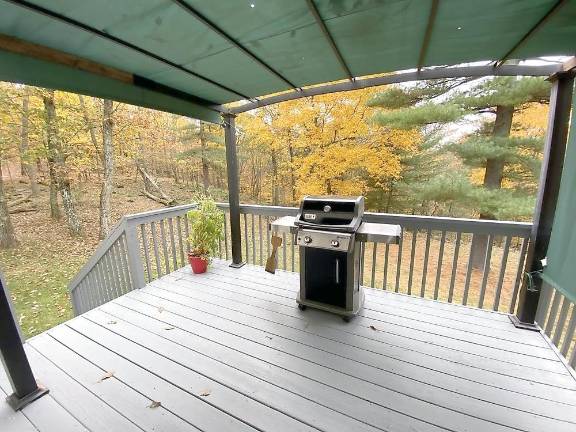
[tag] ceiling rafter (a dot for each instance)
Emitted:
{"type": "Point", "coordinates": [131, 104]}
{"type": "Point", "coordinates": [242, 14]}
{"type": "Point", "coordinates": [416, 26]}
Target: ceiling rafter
{"type": "Point", "coordinates": [426, 74]}
{"type": "Point", "coordinates": [119, 41]}
{"type": "Point", "coordinates": [320, 22]}
{"type": "Point", "coordinates": [201, 18]}
{"type": "Point", "coordinates": [557, 6]}
{"type": "Point", "coordinates": [428, 33]}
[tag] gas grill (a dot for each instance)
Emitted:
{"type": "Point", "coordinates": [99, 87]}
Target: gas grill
{"type": "Point", "coordinates": [329, 231]}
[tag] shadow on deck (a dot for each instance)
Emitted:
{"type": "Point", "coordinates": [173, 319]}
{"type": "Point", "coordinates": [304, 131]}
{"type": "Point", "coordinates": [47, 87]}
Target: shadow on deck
{"type": "Point", "coordinates": [230, 351]}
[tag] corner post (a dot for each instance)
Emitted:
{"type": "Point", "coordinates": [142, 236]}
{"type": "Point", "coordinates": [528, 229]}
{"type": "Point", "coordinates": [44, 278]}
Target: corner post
{"type": "Point", "coordinates": [550, 176]}
{"type": "Point", "coordinates": [233, 188]}
{"type": "Point", "coordinates": [14, 357]}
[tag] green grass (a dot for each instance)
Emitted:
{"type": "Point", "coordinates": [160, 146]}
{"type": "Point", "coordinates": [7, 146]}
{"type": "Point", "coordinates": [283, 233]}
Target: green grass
{"type": "Point", "coordinates": [39, 288]}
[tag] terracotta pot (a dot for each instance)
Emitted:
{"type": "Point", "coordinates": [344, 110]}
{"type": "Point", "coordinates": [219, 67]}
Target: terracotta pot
{"type": "Point", "coordinates": [198, 264]}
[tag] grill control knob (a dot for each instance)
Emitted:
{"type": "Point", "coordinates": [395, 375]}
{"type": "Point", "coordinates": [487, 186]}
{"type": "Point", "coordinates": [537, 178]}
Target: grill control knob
{"type": "Point", "coordinates": [327, 209]}
{"type": "Point", "coordinates": [335, 243]}
{"type": "Point", "coordinates": [307, 239]}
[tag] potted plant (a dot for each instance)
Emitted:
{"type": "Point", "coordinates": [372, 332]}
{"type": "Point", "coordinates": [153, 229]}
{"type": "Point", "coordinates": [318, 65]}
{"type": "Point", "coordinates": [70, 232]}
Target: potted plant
{"type": "Point", "coordinates": [206, 222]}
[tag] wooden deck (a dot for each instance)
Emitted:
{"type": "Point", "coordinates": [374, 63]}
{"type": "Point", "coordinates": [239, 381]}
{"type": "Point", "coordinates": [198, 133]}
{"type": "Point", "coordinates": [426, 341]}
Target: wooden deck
{"type": "Point", "coordinates": [230, 351]}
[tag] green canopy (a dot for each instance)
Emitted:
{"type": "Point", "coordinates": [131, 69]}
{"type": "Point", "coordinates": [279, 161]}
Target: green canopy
{"type": "Point", "coordinates": [199, 53]}
{"type": "Point", "coordinates": [560, 271]}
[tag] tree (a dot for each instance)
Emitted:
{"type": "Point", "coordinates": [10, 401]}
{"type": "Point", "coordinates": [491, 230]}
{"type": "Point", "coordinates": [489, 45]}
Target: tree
{"type": "Point", "coordinates": [108, 164]}
{"type": "Point", "coordinates": [59, 171]}
{"type": "Point", "coordinates": [490, 148]}
{"type": "Point", "coordinates": [7, 234]}
{"type": "Point", "coordinates": [28, 163]}
{"type": "Point", "coordinates": [205, 146]}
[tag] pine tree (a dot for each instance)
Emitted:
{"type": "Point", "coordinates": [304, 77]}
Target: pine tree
{"type": "Point", "coordinates": [508, 163]}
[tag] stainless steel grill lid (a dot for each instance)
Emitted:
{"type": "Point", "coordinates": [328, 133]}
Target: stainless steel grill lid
{"type": "Point", "coordinates": [331, 213]}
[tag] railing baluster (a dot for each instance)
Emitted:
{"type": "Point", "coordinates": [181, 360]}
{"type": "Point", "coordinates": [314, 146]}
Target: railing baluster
{"type": "Point", "coordinates": [468, 273]}
{"type": "Point", "coordinates": [398, 264]}
{"type": "Point", "coordinates": [553, 312]}
{"type": "Point", "coordinates": [124, 258]}
{"type": "Point", "coordinates": [284, 251]}
{"type": "Point", "coordinates": [439, 265]}
{"type": "Point", "coordinates": [486, 273]}
{"type": "Point", "coordinates": [293, 240]}
{"type": "Point", "coordinates": [561, 321]}
{"type": "Point", "coordinates": [155, 244]}
{"type": "Point", "coordinates": [187, 231]}
{"type": "Point", "coordinates": [503, 265]}
{"type": "Point", "coordinates": [119, 269]}
{"type": "Point", "coordinates": [454, 266]}
{"type": "Point", "coordinates": [253, 241]}
{"type": "Point", "coordinates": [226, 236]}
{"type": "Point", "coordinates": [519, 273]}
{"type": "Point", "coordinates": [569, 333]}
{"type": "Point", "coordinates": [267, 236]}
{"type": "Point", "coordinates": [544, 304]}
{"type": "Point", "coordinates": [247, 258]}
{"type": "Point", "coordinates": [425, 266]}
{"type": "Point", "coordinates": [112, 272]}
{"type": "Point", "coordinates": [164, 245]}
{"type": "Point", "coordinates": [412, 252]}
{"type": "Point", "coordinates": [260, 237]}
{"type": "Point", "coordinates": [173, 243]}
{"type": "Point", "coordinates": [180, 242]}
{"type": "Point", "coordinates": [385, 271]}
{"type": "Point", "coordinates": [146, 252]}
{"type": "Point", "coordinates": [572, 360]}
{"type": "Point", "coordinates": [374, 249]}
{"type": "Point", "coordinates": [362, 253]}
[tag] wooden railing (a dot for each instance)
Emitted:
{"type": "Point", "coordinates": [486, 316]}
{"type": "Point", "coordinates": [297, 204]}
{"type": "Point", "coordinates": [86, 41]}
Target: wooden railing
{"type": "Point", "coordinates": [556, 316]}
{"type": "Point", "coordinates": [433, 260]}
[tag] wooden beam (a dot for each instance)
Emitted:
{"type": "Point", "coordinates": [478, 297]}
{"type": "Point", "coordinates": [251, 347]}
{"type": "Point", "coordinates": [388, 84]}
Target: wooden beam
{"type": "Point", "coordinates": [19, 46]}
{"type": "Point", "coordinates": [428, 33]}
{"type": "Point", "coordinates": [425, 74]}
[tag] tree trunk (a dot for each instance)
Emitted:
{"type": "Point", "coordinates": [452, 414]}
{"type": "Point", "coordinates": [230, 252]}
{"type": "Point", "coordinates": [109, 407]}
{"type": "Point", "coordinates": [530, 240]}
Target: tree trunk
{"type": "Point", "coordinates": [492, 180]}
{"type": "Point", "coordinates": [151, 188]}
{"type": "Point", "coordinates": [292, 177]}
{"type": "Point", "coordinates": [7, 235]}
{"type": "Point", "coordinates": [275, 194]}
{"type": "Point", "coordinates": [91, 129]}
{"type": "Point", "coordinates": [28, 168]}
{"type": "Point", "coordinates": [108, 164]}
{"type": "Point", "coordinates": [59, 165]}
{"type": "Point", "coordinates": [205, 170]}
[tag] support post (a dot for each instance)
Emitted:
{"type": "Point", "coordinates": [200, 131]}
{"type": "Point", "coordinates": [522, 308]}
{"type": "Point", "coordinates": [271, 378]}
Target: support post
{"type": "Point", "coordinates": [233, 188]}
{"type": "Point", "coordinates": [135, 265]}
{"type": "Point", "coordinates": [550, 176]}
{"type": "Point", "coordinates": [14, 357]}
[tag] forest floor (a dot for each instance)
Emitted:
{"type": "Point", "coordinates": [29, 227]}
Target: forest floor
{"type": "Point", "coordinates": [48, 257]}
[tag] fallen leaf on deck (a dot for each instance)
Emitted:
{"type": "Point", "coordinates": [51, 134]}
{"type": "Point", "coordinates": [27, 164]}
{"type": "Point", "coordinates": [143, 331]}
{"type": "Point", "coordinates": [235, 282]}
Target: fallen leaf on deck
{"type": "Point", "coordinates": [155, 404]}
{"type": "Point", "coordinates": [373, 328]}
{"type": "Point", "coordinates": [111, 322]}
{"type": "Point", "coordinates": [106, 376]}
{"type": "Point", "coordinates": [205, 392]}
{"type": "Point", "coordinates": [160, 309]}
{"type": "Point", "coordinates": [168, 328]}
{"type": "Point", "coordinates": [269, 337]}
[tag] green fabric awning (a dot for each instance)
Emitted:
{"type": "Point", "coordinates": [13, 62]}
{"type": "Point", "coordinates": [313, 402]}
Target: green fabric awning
{"type": "Point", "coordinates": [204, 53]}
{"type": "Point", "coordinates": [560, 271]}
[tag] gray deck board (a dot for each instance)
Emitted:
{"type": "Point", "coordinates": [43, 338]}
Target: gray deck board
{"type": "Point", "coordinates": [229, 351]}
